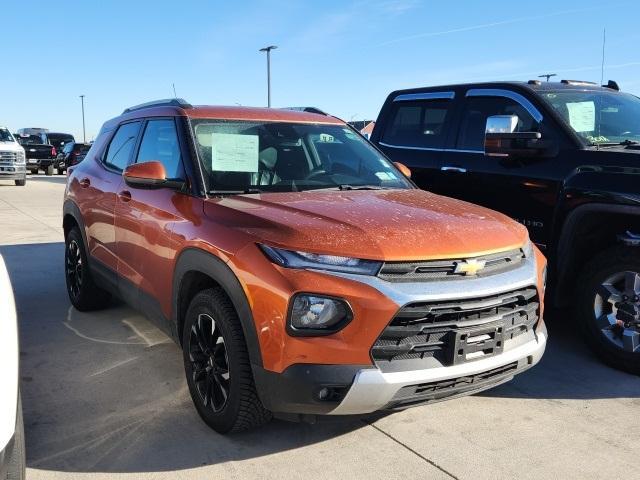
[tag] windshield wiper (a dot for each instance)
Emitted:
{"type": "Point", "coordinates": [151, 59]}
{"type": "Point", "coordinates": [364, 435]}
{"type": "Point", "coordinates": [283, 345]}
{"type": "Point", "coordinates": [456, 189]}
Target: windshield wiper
{"type": "Point", "coordinates": [624, 143]}
{"type": "Point", "coordinates": [361, 187]}
{"type": "Point", "coordinates": [234, 192]}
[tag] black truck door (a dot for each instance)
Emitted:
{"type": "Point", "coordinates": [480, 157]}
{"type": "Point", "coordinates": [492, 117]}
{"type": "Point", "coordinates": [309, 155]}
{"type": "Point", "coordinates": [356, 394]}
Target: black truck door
{"type": "Point", "coordinates": [523, 188]}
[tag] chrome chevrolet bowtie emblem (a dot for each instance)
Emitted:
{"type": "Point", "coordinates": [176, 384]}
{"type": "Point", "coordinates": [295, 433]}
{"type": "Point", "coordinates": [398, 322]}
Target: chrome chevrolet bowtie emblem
{"type": "Point", "coordinates": [469, 267]}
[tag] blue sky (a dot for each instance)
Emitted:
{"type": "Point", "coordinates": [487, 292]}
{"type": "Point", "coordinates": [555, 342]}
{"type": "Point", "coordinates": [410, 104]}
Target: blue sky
{"type": "Point", "coordinates": [342, 56]}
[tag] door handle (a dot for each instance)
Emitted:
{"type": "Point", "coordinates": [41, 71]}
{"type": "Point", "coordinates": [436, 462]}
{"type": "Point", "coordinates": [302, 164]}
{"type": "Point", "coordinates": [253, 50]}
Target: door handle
{"type": "Point", "coordinates": [124, 195]}
{"type": "Point", "coordinates": [85, 182]}
{"type": "Point", "coordinates": [451, 168]}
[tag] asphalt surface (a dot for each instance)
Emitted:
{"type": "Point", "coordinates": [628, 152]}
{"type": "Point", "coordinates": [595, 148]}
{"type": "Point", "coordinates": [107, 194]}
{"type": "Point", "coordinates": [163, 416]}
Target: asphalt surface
{"type": "Point", "coordinates": [104, 397]}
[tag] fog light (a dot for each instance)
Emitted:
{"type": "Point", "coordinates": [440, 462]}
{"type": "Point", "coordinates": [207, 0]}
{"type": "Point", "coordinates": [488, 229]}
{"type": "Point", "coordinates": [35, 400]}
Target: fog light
{"type": "Point", "coordinates": [317, 315]}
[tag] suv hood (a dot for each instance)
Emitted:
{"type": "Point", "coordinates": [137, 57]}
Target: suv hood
{"type": "Point", "coordinates": [371, 224]}
{"type": "Point", "coordinates": [11, 147]}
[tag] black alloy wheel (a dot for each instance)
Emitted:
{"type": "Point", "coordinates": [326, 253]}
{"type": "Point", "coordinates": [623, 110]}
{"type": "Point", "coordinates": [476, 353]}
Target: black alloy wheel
{"type": "Point", "coordinates": [209, 363]}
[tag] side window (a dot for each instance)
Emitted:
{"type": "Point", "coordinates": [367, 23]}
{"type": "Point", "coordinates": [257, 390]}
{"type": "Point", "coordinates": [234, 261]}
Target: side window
{"type": "Point", "coordinates": [160, 143]}
{"type": "Point", "coordinates": [121, 146]}
{"type": "Point", "coordinates": [474, 119]}
{"type": "Point", "coordinates": [418, 123]}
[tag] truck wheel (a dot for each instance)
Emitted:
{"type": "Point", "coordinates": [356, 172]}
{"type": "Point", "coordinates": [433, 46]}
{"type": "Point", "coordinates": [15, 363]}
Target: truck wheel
{"type": "Point", "coordinates": [84, 294]}
{"type": "Point", "coordinates": [49, 170]}
{"type": "Point", "coordinates": [608, 307]}
{"type": "Point", "coordinates": [217, 367]}
{"type": "Point", "coordinates": [22, 182]}
{"type": "Point", "coordinates": [17, 458]}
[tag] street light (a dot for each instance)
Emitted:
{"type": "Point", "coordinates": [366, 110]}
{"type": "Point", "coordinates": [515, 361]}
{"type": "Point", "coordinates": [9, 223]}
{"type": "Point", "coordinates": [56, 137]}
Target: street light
{"type": "Point", "coordinates": [268, 50]}
{"type": "Point", "coordinates": [84, 133]}
{"type": "Point", "coordinates": [547, 76]}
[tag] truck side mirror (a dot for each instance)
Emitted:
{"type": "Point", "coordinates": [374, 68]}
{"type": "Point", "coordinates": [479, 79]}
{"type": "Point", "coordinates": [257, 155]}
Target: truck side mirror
{"type": "Point", "coordinates": [501, 139]}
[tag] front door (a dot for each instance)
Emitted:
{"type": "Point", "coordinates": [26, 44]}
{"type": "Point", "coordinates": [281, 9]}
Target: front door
{"type": "Point", "coordinates": [144, 220]}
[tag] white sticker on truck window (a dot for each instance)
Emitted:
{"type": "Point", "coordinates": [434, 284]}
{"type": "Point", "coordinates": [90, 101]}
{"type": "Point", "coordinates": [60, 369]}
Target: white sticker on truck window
{"type": "Point", "coordinates": [231, 152]}
{"type": "Point", "coordinates": [582, 116]}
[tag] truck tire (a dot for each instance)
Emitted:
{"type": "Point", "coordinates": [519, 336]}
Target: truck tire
{"type": "Point", "coordinates": [17, 458]}
{"type": "Point", "coordinates": [608, 307]}
{"type": "Point", "coordinates": [84, 294]}
{"type": "Point", "coordinates": [217, 366]}
{"type": "Point", "coordinates": [22, 182]}
{"type": "Point", "coordinates": [49, 170]}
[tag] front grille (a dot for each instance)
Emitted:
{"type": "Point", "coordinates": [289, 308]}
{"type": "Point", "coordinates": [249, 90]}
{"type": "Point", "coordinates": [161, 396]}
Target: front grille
{"type": "Point", "coordinates": [8, 158]}
{"type": "Point", "coordinates": [446, 269]}
{"type": "Point", "coordinates": [455, 331]}
{"type": "Point", "coordinates": [434, 391]}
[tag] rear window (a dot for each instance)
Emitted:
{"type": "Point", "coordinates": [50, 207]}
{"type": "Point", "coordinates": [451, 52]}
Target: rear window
{"type": "Point", "coordinates": [29, 140]}
{"type": "Point", "coordinates": [418, 123]}
{"type": "Point", "coordinates": [58, 139]}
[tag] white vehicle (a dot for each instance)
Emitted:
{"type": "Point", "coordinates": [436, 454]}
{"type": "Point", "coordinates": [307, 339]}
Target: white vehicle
{"type": "Point", "coordinates": [12, 456]}
{"type": "Point", "coordinates": [12, 159]}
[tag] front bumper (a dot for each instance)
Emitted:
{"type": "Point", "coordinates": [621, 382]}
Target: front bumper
{"type": "Point", "coordinates": [362, 389]}
{"type": "Point", "coordinates": [12, 172]}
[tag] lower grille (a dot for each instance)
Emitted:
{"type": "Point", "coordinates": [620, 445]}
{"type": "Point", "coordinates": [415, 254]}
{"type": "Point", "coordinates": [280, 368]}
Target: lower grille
{"type": "Point", "coordinates": [431, 392]}
{"type": "Point", "coordinates": [456, 331]}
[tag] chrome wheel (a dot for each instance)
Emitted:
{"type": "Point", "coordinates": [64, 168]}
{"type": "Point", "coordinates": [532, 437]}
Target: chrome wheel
{"type": "Point", "coordinates": [209, 363]}
{"type": "Point", "coordinates": [617, 310]}
{"type": "Point", "coordinates": [74, 268]}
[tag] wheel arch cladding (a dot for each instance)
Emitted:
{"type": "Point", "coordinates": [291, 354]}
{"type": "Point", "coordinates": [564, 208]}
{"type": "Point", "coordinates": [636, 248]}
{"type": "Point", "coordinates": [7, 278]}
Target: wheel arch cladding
{"type": "Point", "coordinates": [196, 270]}
{"type": "Point", "coordinates": [71, 217]}
{"type": "Point", "coordinates": [582, 236]}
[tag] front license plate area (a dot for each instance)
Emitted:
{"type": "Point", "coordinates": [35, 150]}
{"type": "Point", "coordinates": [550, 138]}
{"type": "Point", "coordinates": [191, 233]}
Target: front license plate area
{"type": "Point", "coordinates": [477, 343]}
{"type": "Point", "coordinates": [32, 160]}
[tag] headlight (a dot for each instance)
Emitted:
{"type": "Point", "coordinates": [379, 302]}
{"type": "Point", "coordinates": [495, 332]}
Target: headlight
{"type": "Point", "coordinates": [528, 249]}
{"type": "Point", "coordinates": [332, 263]}
{"type": "Point", "coordinates": [20, 157]}
{"type": "Point", "coordinates": [312, 314]}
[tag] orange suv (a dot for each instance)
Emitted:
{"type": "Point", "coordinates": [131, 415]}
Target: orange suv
{"type": "Point", "coordinates": [301, 272]}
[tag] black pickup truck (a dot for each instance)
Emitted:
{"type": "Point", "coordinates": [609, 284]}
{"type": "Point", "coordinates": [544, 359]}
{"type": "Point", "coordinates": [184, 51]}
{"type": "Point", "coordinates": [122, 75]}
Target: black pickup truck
{"type": "Point", "coordinates": [39, 155]}
{"type": "Point", "coordinates": [561, 158]}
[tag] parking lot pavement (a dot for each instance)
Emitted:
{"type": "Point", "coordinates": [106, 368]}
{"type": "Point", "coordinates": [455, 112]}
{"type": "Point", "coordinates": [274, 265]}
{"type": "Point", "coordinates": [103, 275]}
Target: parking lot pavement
{"type": "Point", "coordinates": [104, 397]}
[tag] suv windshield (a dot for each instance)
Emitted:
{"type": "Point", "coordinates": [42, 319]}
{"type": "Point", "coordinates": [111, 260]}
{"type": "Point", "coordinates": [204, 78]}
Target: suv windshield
{"type": "Point", "coordinates": [245, 156]}
{"type": "Point", "coordinates": [598, 116]}
{"type": "Point", "coordinates": [5, 136]}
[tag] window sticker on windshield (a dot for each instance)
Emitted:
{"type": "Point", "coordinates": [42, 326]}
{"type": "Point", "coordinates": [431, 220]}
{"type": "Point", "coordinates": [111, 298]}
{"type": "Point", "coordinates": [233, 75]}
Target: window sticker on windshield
{"type": "Point", "coordinates": [231, 152]}
{"type": "Point", "coordinates": [582, 116]}
{"type": "Point", "coordinates": [326, 138]}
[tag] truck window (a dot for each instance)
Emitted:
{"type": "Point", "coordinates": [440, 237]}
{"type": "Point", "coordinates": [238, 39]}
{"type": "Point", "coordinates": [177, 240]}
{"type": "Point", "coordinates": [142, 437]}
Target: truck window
{"type": "Point", "coordinates": [418, 124]}
{"type": "Point", "coordinates": [474, 119]}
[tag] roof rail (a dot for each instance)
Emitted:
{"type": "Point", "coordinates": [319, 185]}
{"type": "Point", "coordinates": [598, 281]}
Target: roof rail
{"type": "Point", "coordinates": [167, 102]}
{"type": "Point", "coordinates": [534, 82]}
{"type": "Point", "coordinates": [308, 110]}
{"type": "Point", "coordinates": [613, 85]}
{"type": "Point", "coordinates": [577, 82]}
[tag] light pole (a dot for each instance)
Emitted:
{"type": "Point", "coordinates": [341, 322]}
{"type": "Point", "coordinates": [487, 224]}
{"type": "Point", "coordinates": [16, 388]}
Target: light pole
{"type": "Point", "coordinates": [547, 76]}
{"type": "Point", "coordinates": [268, 50]}
{"type": "Point", "coordinates": [84, 133]}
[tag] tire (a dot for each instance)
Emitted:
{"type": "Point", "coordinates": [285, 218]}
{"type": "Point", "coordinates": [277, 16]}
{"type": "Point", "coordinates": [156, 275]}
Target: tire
{"type": "Point", "coordinates": [603, 275]}
{"type": "Point", "coordinates": [49, 170]}
{"type": "Point", "coordinates": [83, 293]}
{"type": "Point", "coordinates": [222, 364]}
{"type": "Point", "coordinates": [22, 182]}
{"type": "Point", "coordinates": [17, 459]}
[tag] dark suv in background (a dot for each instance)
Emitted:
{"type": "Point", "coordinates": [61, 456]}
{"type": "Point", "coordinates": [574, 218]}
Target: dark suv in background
{"type": "Point", "coordinates": [561, 158]}
{"type": "Point", "coordinates": [71, 154]}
